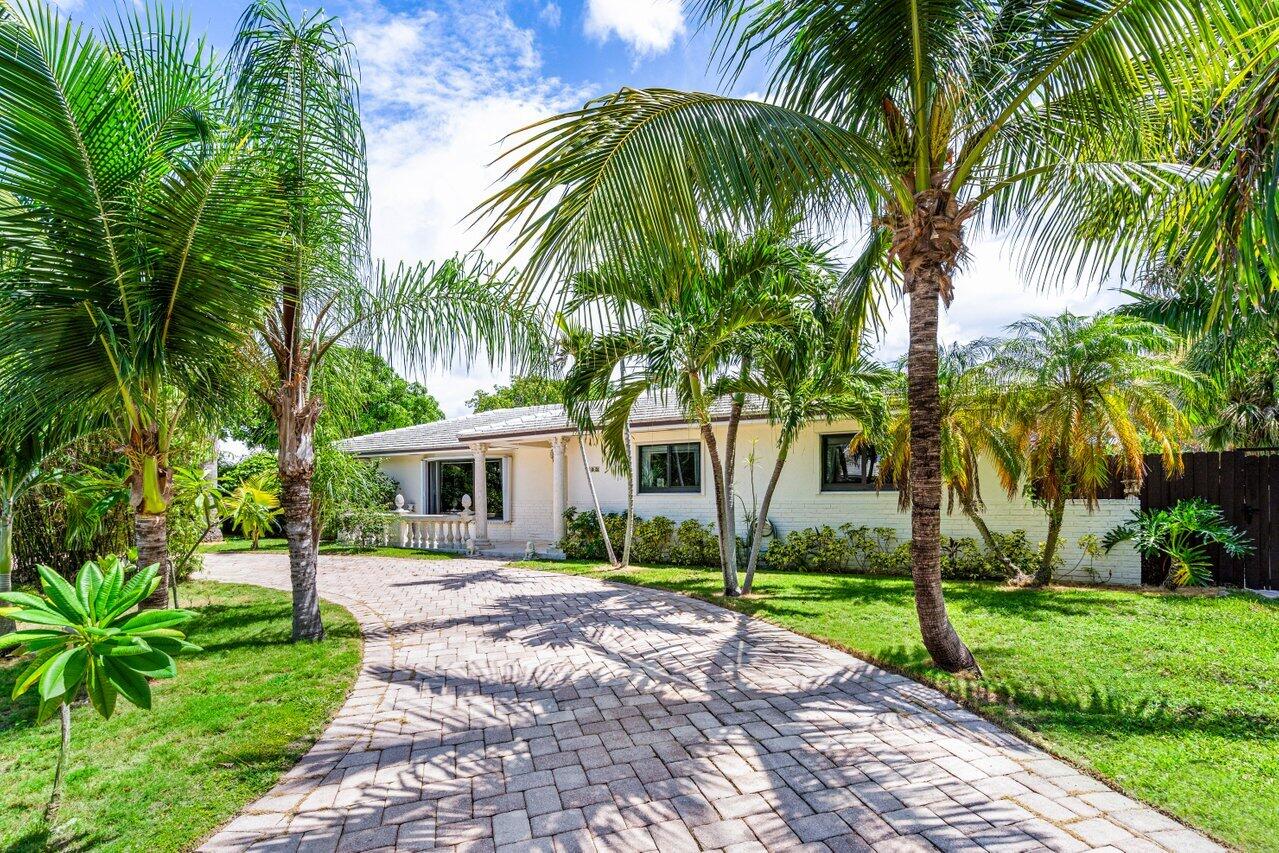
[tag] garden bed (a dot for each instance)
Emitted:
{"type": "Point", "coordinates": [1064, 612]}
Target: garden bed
{"type": "Point", "coordinates": [1173, 698]}
{"type": "Point", "coordinates": [237, 716]}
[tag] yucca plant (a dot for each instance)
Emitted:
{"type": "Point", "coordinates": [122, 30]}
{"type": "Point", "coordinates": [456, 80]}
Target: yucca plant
{"type": "Point", "coordinates": [88, 638]}
{"type": "Point", "coordinates": [1182, 534]}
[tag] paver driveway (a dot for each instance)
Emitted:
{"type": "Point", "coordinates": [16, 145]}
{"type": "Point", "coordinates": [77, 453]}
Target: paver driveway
{"type": "Point", "coordinates": [518, 709]}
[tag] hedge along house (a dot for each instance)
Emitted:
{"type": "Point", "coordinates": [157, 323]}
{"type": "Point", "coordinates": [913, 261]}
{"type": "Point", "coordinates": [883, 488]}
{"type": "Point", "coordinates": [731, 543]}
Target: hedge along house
{"type": "Point", "coordinates": [504, 478]}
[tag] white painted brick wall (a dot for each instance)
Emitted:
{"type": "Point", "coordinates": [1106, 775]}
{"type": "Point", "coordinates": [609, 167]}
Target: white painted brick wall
{"type": "Point", "coordinates": [798, 503]}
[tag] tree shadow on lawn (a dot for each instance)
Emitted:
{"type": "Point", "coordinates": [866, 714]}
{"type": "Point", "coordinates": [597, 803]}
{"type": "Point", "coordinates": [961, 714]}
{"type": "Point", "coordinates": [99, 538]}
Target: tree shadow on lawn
{"type": "Point", "coordinates": [40, 840]}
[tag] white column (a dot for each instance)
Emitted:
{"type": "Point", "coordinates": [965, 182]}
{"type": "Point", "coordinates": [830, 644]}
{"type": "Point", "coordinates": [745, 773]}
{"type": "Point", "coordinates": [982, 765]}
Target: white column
{"type": "Point", "coordinates": [559, 485]}
{"type": "Point", "coordinates": [479, 501]}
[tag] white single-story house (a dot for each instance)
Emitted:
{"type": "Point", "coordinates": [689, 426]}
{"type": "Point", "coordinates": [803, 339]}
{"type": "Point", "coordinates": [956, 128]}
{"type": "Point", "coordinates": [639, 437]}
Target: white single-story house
{"type": "Point", "coordinates": [532, 463]}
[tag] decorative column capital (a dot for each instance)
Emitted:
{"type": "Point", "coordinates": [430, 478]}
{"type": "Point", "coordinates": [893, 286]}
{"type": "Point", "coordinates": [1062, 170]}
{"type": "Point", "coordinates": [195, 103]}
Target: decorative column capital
{"type": "Point", "coordinates": [559, 442]}
{"type": "Point", "coordinates": [480, 449]}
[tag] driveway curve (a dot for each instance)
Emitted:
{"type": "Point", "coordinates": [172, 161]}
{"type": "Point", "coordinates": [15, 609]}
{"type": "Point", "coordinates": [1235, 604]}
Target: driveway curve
{"type": "Point", "coordinates": [500, 708]}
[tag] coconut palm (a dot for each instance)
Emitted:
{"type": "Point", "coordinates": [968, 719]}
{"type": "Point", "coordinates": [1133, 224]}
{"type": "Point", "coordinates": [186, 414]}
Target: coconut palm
{"type": "Point", "coordinates": [1084, 398]}
{"type": "Point", "coordinates": [142, 228]}
{"type": "Point", "coordinates": [679, 326]}
{"type": "Point", "coordinates": [297, 90]}
{"type": "Point", "coordinates": [922, 117]}
{"type": "Point", "coordinates": [971, 430]}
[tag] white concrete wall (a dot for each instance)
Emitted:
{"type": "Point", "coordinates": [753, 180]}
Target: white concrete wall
{"type": "Point", "coordinates": [798, 502]}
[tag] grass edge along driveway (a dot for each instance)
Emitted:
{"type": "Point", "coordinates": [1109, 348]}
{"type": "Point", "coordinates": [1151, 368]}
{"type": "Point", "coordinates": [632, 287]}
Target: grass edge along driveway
{"type": "Point", "coordinates": [218, 736]}
{"type": "Point", "coordinates": [1173, 698]}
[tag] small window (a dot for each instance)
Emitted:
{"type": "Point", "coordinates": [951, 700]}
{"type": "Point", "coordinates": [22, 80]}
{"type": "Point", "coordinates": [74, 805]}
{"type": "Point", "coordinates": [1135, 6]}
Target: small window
{"type": "Point", "coordinates": [844, 470]}
{"type": "Point", "coordinates": [670, 468]}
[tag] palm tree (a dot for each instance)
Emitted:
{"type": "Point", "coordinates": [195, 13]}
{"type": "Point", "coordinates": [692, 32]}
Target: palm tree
{"type": "Point", "coordinates": [971, 430]}
{"type": "Point", "coordinates": [142, 227]}
{"type": "Point", "coordinates": [678, 327]}
{"type": "Point", "coordinates": [1055, 118]}
{"type": "Point", "coordinates": [297, 88]}
{"type": "Point", "coordinates": [1233, 343]}
{"type": "Point", "coordinates": [1084, 397]}
{"type": "Point", "coordinates": [805, 378]}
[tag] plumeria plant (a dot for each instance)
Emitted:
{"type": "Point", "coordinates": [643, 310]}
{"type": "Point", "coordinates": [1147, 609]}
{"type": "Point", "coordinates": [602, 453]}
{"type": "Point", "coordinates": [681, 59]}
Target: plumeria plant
{"type": "Point", "coordinates": [89, 638]}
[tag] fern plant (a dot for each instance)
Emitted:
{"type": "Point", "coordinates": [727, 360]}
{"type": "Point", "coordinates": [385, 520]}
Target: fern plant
{"type": "Point", "coordinates": [1182, 533]}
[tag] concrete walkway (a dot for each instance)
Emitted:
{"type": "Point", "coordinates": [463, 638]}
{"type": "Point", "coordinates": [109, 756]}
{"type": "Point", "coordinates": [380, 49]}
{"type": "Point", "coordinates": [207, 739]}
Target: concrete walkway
{"type": "Point", "coordinates": [522, 710]}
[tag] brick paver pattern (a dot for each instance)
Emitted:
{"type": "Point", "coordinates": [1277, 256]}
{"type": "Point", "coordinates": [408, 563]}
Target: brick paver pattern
{"type": "Point", "coordinates": [508, 709]}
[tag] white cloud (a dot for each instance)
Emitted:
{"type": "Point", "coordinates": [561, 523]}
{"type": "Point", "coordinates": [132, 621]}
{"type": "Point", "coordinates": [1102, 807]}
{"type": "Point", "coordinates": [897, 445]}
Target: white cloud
{"type": "Point", "coordinates": [550, 15]}
{"type": "Point", "coordinates": [648, 26]}
{"type": "Point", "coordinates": [441, 87]}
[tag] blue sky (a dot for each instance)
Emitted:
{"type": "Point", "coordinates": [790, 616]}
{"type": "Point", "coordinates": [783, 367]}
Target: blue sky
{"type": "Point", "coordinates": [444, 80]}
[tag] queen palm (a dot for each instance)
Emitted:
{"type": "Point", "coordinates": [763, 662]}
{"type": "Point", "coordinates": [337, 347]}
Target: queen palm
{"type": "Point", "coordinates": [297, 90]}
{"type": "Point", "coordinates": [1084, 398]}
{"type": "Point", "coordinates": [141, 228]}
{"type": "Point", "coordinates": [922, 117]}
{"type": "Point", "coordinates": [971, 429]}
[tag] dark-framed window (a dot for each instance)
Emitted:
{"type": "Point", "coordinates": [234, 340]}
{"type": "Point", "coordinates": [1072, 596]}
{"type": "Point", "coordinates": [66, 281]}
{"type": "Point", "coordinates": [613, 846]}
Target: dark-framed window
{"type": "Point", "coordinates": [848, 471]}
{"type": "Point", "coordinates": [670, 467]}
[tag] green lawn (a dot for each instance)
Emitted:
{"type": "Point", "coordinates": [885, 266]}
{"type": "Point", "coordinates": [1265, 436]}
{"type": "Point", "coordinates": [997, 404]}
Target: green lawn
{"type": "Point", "coordinates": [1174, 698]}
{"type": "Point", "coordinates": [244, 546]}
{"type": "Point", "coordinates": [219, 735]}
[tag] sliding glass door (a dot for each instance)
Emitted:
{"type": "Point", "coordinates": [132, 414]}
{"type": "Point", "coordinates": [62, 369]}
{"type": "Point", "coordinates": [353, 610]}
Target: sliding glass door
{"type": "Point", "coordinates": [449, 479]}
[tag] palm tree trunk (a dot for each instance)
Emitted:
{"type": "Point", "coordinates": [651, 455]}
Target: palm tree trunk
{"type": "Point", "coordinates": [150, 489]}
{"type": "Point", "coordinates": [214, 531]}
{"type": "Point", "coordinates": [630, 499]}
{"type": "Point", "coordinates": [296, 414]}
{"type": "Point", "coordinates": [730, 470]}
{"type": "Point", "coordinates": [925, 274]}
{"type": "Point", "coordinates": [969, 506]}
{"type": "Point", "coordinates": [6, 560]}
{"type": "Point", "coordinates": [717, 474]}
{"type": "Point", "coordinates": [595, 500]}
{"type": "Point", "coordinates": [151, 537]}
{"type": "Point", "coordinates": [1056, 513]}
{"type": "Point", "coordinates": [761, 521]}
{"type": "Point", "coordinates": [60, 771]}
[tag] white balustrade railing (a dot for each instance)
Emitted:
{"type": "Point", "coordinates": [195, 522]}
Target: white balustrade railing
{"type": "Point", "coordinates": [446, 532]}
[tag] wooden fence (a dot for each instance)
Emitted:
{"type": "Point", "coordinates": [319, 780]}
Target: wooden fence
{"type": "Point", "coordinates": [1245, 484]}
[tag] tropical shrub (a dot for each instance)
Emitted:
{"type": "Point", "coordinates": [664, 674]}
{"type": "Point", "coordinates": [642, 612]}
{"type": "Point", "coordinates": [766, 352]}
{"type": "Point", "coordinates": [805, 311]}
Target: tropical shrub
{"type": "Point", "coordinates": [253, 465]}
{"type": "Point", "coordinates": [695, 544]}
{"type": "Point", "coordinates": [877, 551]}
{"type": "Point", "coordinates": [1180, 535]}
{"type": "Point", "coordinates": [652, 540]}
{"type": "Point", "coordinates": [657, 540]}
{"type": "Point", "coordinates": [254, 506]}
{"type": "Point", "coordinates": [349, 494]}
{"type": "Point", "coordinates": [361, 527]}
{"type": "Point", "coordinates": [46, 513]}
{"type": "Point", "coordinates": [87, 639]}
{"type": "Point", "coordinates": [808, 550]}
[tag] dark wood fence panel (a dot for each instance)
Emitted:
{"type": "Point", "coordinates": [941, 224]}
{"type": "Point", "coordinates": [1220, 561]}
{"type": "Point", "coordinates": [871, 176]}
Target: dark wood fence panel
{"type": "Point", "coordinates": [1245, 484]}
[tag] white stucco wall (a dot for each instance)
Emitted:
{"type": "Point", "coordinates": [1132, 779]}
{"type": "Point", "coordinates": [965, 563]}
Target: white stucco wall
{"type": "Point", "coordinates": [798, 502]}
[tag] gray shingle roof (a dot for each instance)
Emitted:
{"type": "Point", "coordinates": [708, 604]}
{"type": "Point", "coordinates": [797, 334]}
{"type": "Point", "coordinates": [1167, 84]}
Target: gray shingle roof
{"type": "Point", "coordinates": [451, 434]}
